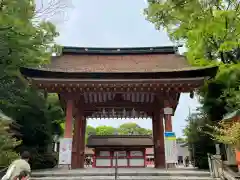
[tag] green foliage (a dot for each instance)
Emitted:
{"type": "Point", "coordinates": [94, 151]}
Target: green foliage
{"type": "Point", "coordinates": [132, 128]}
{"type": "Point", "coordinates": [105, 130]}
{"type": "Point", "coordinates": [181, 140]}
{"type": "Point", "coordinates": [124, 129]}
{"type": "Point", "coordinates": [43, 160]}
{"type": "Point", "coordinates": [90, 130]}
{"type": "Point", "coordinates": [221, 95]}
{"type": "Point", "coordinates": [226, 132]}
{"type": "Point", "coordinates": [209, 29]}
{"type": "Point", "coordinates": [24, 41]}
{"type": "Point", "coordinates": [7, 144]}
{"type": "Point", "coordinates": [56, 113]}
{"type": "Point", "coordinates": [199, 142]}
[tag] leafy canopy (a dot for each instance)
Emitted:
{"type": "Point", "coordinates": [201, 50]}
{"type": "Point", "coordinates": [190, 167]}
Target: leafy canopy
{"type": "Point", "coordinates": [26, 41]}
{"type": "Point", "coordinates": [227, 133]}
{"type": "Point", "coordinates": [210, 29]}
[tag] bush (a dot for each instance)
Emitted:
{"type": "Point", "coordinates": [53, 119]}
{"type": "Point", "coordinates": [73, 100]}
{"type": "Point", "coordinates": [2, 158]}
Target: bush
{"type": "Point", "coordinates": [7, 144]}
{"type": "Point", "coordinates": [43, 161]}
{"type": "Point", "coordinates": [202, 162]}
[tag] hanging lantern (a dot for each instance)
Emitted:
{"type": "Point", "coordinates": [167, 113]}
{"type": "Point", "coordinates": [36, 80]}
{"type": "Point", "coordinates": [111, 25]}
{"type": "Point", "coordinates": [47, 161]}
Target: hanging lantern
{"type": "Point", "coordinates": [133, 113]}
{"type": "Point", "coordinates": [113, 112]}
{"type": "Point", "coordinates": [104, 113]}
{"type": "Point", "coordinates": [124, 112]}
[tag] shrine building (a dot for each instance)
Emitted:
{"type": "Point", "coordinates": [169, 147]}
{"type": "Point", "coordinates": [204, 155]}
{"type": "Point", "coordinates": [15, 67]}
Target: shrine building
{"type": "Point", "coordinates": [127, 150]}
{"type": "Point", "coordinates": [118, 82]}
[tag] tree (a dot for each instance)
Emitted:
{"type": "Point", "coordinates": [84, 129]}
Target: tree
{"type": "Point", "coordinates": [26, 42]}
{"type": "Point", "coordinates": [56, 113]}
{"type": "Point", "coordinates": [227, 133]}
{"type": "Point", "coordinates": [105, 130]}
{"type": "Point", "coordinates": [209, 29]}
{"type": "Point", "coordinates": [181, 140]}
{"type": "Point", "coordinates": [199, 142]}
{"type": "Point", "coordinates": [89, 131]}
{"type": "Point", "coordinates": [221, 95]}
{"type": "Point", "coordinates": [7, 142]}
{"type": "Point", "coordinates": [133, 128]}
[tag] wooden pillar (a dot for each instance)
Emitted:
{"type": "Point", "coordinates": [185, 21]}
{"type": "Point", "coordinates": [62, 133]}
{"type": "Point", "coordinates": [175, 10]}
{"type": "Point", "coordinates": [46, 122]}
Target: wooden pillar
{"type": "Point", "coordinates": [168, 122]}
{"type": "Point", "coordinates": [69, 117]}
{"type": "Point", "coordinates": [168, 111]}
{"type": "Point", "coordinates": [154, 132]}
{"type": "Point", "coordinates": [158, 138]}
{"type": "Point", "coordinates": [78, 147]}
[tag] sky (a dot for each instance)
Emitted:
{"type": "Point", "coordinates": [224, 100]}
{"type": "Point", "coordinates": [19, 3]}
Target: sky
{"type": "Point", "coordinates": [116, 23]}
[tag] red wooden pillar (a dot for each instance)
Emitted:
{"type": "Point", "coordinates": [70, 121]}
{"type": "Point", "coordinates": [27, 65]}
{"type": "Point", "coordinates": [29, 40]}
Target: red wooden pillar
{"type": "Point", "coordinates": [158, 138]}
{"type": "Point", "coordinates": [168, 122]}
{"type": "Point", "coordinates": [69, 117]}
{"type": "Point", "coordinates": [168, 116]}
{"type": "Point", "coordinates": [78, 148]}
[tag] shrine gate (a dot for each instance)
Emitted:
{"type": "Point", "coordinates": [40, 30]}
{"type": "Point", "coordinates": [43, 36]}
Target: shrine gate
{"type": "Point", "coordinates": [118, 82]}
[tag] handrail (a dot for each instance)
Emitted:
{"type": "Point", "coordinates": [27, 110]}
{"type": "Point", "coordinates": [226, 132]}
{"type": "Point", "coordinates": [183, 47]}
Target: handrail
{"type": "Point", "coordinates": [220, 170]}
{"type": "Point", "coordinates": [116, 166]}
{"type": "Point", "coordinates": [3, 169]}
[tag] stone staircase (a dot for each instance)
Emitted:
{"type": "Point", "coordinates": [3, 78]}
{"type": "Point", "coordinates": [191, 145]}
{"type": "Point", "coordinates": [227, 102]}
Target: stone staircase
{"type": "Point", "coordinates": [123, 174]}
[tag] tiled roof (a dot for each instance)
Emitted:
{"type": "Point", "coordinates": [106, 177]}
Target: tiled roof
{"type": "Point", "coordinates": [120, 140]}
{"type": "Point", "coordinates": [112, 62]}
{"type": "Point", "coordinates": [118, 63]}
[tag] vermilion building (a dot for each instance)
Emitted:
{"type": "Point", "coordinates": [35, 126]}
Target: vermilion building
{"type": "Point", "coordinates": [129, 150]}
{"type": "Point", "coordinates": [118, 82]}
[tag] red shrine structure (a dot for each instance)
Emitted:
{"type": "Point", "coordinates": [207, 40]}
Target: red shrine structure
{"type": "Point", "coordinates": [128, 150]}
{"type": "Point", "coordinates": [118, 82]}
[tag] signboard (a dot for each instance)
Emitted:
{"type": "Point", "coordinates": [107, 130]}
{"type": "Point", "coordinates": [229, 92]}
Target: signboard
{"type": "Point", "coordinates": [168, 111]}
{"type": "Point", "coordinates": [104, 153]}
{"type": "Point", "coordinates": [170, 147]}
{"type": "Point", "coordinates": [65, 151]}
{"type": "Point", "coordinates": [120, 153]}
{"type": "Point", "coordinates": [136, 153]}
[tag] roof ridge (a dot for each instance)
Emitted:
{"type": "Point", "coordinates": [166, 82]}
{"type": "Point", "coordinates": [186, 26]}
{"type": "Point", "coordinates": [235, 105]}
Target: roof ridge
{"type": "Point", "coordinates": [120, 50]}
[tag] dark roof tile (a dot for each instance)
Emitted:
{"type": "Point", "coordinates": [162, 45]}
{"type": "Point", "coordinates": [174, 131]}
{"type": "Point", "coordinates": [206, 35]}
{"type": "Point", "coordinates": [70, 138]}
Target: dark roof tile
{"type": "Point", "coordinates": [120, 140]}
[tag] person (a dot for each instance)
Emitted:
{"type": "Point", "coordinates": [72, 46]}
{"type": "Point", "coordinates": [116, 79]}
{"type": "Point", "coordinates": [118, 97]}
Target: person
{"type": "Point", "coordinates": [19, 169]}
{"type": "Point", "coordinates": [186, 161]}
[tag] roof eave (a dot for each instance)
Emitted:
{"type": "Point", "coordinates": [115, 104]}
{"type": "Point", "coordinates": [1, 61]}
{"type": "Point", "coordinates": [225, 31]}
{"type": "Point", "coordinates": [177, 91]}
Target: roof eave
{"type": "Point", "coordinates": [44, 73]}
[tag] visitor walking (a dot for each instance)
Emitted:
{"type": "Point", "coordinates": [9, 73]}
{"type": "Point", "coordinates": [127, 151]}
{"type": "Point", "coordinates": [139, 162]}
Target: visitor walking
{"type": "Point", "coordinates": [19, 169]}
{"type": "Point", "coordinates": [186, 161]}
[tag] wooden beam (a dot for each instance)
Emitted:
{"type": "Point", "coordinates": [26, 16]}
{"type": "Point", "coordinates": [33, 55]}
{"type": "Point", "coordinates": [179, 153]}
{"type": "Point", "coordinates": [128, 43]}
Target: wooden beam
{"type": "Point", "coordinates": [154, 85]}
{"type": "Point", "coordinates": [118, 104]}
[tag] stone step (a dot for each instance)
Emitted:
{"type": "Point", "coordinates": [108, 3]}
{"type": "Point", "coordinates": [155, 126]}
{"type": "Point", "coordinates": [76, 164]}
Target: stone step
{"type": "Point", "coordinates": [123, 178]}
{"type": "Point", "coordinates": [104, 173]}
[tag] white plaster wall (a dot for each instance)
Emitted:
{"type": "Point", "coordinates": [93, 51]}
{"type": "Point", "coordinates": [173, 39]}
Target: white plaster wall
{"type": "Point", "coordinates": [103, 162]}
{"type": "Point", "coordinates": [136, 162]}
{"type": "Point", "coordinates": [182, 151]}
{"type": "Point", "coordinates": [121, 162]}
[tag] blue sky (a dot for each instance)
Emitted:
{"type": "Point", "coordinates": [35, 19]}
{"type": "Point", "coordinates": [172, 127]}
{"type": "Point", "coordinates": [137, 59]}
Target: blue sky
{"type": "Point", "coordinates": [116, 23]}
